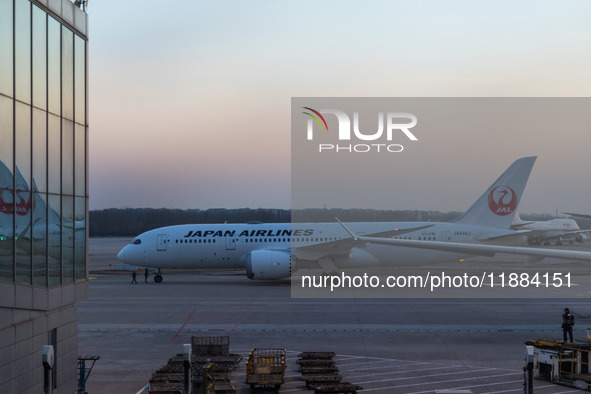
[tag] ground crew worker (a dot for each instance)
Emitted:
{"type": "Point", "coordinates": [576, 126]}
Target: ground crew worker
{"type": "Point", "coordinates": [568, 321]}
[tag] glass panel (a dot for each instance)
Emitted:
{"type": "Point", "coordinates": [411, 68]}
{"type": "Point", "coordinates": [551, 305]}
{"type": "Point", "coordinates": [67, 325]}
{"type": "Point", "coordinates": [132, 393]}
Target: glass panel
{"type": "Point", "coordinates": [39, 150]}
{"type": "Point", "coordinates": [53, 152]}
{"type": "Point", "coordinates": [22, 54]}
{"type": "Point", "coordinates": [23, 196]}
{"type": "Point", "coordinates": [67, 157]}
{"type": "Point", "coordinates": [6, 190]}
{"type": "Point", "coordinates": [54, 241]}
{"type": "Point", "coordinates": [80, 238]}
{"type": "Point", "coordinates": [6, 132]}
{"type": "Point", "coordinates": [80, 81]}
{"type": "Point", "coordinates": [39, 58]}
{"type": "Point", "coordinates": [40, 239]}
{"type": "Point", "coordinates": [53, 65]}
{"type": "Point", "coordinates": [80, 157]}
{"type": "Point", "coordinates": [67, 239]}
{"type": "Point", "coordinates": [6, 67]}
{"type": "Point", "coordinates": [23, 144]}
{"type": "Point", "coordinates": [23, 233]}
{"type": "Point", "coordinates": [67, 73]}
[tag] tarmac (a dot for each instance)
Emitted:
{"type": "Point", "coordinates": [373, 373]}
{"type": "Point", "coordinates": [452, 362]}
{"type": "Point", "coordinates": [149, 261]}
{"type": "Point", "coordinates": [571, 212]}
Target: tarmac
{"type": "Point", "coordinates": [397, 345]}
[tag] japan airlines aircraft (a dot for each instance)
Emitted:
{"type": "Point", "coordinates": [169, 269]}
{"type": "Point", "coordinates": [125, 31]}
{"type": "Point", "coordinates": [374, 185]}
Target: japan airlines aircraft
{"type": "Point", "coordinates": [557, 230]}
{"type": "Point", "coordinates": [35, 225]}
{"type": "Point", "coordinates": [268, 251]}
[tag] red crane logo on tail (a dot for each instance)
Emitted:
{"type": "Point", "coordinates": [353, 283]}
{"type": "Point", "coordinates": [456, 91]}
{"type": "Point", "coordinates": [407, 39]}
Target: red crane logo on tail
{"type": "Point", "coordinates": [24, 200]}
{"type": "Point", "coordinates": [502, 200]}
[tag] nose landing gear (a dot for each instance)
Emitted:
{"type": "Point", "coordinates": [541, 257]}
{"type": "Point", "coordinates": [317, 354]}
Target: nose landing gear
{"type": "Point", "coordinates": [158, 277]}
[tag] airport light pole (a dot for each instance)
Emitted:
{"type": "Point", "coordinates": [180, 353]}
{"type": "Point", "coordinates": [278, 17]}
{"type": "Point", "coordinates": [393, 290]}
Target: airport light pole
{"type": "Point", "coordinates": [528, 370]}
{"type": "Point", "coordinates": [48, 358]}
{"type": "Point", "coordinates": [187, 351]}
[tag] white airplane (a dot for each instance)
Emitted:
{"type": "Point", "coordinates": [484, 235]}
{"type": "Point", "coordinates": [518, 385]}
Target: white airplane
{"type": "Point", "coordinates": [22, 203]}
{"type": "Point", "coordinates": [267, 251]}
{"type": "Point", "coordinates": [558, 230]}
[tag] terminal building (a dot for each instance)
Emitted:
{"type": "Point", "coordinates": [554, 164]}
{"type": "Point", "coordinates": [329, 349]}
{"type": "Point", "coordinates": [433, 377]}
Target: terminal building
{"type": "Point", "coordinates": [43, 191]}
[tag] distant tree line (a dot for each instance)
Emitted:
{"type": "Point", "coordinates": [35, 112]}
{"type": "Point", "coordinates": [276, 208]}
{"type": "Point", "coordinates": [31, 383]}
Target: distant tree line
{"type": "Point", "coordinates": [126, 222]}
{"type": "Point", "coordinates": [133, 221]}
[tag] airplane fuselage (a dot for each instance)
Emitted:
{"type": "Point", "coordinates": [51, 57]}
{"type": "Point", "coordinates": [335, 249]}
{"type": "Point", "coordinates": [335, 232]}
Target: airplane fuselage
{"type": "Point", "coordinates": [554, 229]}
{"type": "Point", "coordinates": [227, 245]}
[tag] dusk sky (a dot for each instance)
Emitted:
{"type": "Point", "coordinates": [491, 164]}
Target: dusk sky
{"type": "Point", "coordinates": [190, 101]}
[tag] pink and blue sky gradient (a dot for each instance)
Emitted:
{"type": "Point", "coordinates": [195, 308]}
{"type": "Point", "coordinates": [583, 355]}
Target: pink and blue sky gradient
{"type": "Point", "coordinates": [190, 101]}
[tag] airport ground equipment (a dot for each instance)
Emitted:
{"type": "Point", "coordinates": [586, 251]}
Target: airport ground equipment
{"type": "Point", "coordinates": [528, 370]}
{"type": "Point", "coordinates": [216, 351]}
{"type": "Point", "coordinates": [84, 370]}
{"type": "Point", "coordinates": [265, 369]}
{"type": "Point", "coordinates": [211, 365]}
{"type": "Point", "coordinates": [564, 363]}
{"type": "Point", "coordinates": [170, 379]}
{"type": "Point", "coordinates": [321, 374]}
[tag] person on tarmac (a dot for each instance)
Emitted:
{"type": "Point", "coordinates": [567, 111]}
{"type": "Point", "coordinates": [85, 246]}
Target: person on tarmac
{"type": "Point", "coordinates": [568, 321]}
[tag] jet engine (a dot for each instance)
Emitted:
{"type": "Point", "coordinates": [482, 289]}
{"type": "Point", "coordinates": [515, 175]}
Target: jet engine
{"type": "Point", "coordinates": [580, 237]}
{"type": "Point", "coordinates": [268, 264]}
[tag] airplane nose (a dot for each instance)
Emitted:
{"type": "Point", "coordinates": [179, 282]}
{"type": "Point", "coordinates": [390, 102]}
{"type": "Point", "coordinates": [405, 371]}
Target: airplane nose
{"type": "Point", "coordinates": [121, 255]}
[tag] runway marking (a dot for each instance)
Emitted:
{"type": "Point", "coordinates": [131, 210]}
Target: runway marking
{"type": "Point", "coordinates": [362, 362]}
{"type": "Point", "coordinates": [431, 383]}
{"type": "Point", "coordinates": [537, 388]}
{"type": "Point", "coordinates": [425, 362]}
{"type": "Point", "coordinates": [480, 385]}
{"type": "Point", "coordinates": [183, 326]}
{"type": "Point", "coordinates": [399, 372]}
{"type": "Point", "coordinates": [235, 326]}
{"type": "Point", "coordinates": [439, 375]}
{"type": "Point", "coordinates": [519, 390]}
{"type": "Point", "coordinates": [344, 369]}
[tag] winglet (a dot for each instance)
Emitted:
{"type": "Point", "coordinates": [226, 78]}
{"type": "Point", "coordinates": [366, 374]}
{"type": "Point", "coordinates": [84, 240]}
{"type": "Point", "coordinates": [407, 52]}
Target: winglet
{"type": "Point", "coordinates": [351, 233]}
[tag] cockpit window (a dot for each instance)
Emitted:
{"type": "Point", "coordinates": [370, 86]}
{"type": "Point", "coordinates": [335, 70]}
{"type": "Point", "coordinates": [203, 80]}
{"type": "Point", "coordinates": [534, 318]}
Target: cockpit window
{"type": "Point", "coordinates": [136, 241]}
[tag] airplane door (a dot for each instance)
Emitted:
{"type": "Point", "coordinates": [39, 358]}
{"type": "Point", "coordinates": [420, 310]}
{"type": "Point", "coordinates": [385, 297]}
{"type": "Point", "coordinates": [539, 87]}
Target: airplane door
{"type": "Point", "coordinates": [230, 243]}
{"type": "Point", "coordinates": [445, 236]}
{"type": "Point", "coordinates": [162, 241]}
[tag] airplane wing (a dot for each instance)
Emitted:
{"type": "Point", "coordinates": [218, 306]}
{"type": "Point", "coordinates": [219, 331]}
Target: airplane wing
{"type": "Point", "coordinates": [578, 215]}
{"type": "Point", "coordinates": [343, 247]}
{"type": "Point", "coordinates": [474, 249]}
{"type": "Point", "coordinates": [519, 226]}
{"type": "Point", "coordinates": [508, 239]}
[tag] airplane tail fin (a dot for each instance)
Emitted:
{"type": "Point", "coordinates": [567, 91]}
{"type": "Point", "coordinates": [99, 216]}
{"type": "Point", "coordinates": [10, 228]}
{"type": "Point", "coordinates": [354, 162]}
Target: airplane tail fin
{"type": "Point", "coordinates": [498, 205]}
{"type": "Point", "coordinates": [5, 206]}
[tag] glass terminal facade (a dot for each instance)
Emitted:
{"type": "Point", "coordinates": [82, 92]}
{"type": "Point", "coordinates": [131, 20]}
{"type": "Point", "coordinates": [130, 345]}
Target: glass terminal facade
{"type": "Point", "coordinates": [43, 187]}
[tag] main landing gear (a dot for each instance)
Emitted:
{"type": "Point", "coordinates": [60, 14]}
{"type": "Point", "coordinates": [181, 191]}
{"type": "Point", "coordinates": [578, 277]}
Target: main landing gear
{"type": "Point", "coordinates": [158, 277]}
